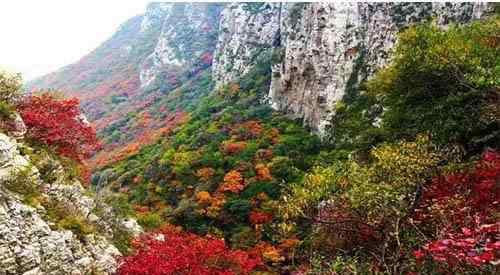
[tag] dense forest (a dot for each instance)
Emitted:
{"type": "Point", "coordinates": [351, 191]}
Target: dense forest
{"type": "Point", "coordinates": [405, 180]}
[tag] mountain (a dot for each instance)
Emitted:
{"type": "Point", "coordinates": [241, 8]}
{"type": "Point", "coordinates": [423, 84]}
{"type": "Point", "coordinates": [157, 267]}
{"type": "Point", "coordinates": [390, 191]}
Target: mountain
{"type": "Point", "coordinates": [312, 138]}
{"type": "Point", "coordinates": [49, 222]}
{"type": "Point", "coordinates": [151, 58]}
{"type": "Point", "coordinates": [324, 50]}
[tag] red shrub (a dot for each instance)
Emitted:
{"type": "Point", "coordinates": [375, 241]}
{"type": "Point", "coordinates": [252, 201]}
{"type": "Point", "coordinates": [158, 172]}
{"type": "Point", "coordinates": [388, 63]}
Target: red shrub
{"type": "Point", "coordinates": [232, 148]}
{"type": "Point", "coordinates": [172, 251]}
{"type": "Point", "coordinates": [462, 208]}
{"type": "Point", "coordinates": [259, 217]}
{"type": "Point", "coordinates": [59, 123]}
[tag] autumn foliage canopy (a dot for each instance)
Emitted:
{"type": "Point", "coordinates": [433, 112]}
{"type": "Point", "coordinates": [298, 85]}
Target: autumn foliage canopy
{"type": "Point", "coordinates": [59, 123]}
{"type": "Point", "coordinates": [172, 251]}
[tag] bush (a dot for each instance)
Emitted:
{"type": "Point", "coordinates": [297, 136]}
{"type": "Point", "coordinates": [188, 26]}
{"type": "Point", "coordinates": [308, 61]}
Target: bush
{"type": "Point", "coordinates": [149, 220]}
{"type": "Point", "coordinates": [460, 213]}
{"type": "Point", "coordinates": [6, 110]}
{"type": "Point", "coordinates": [60, 124]}
{"type": "Point", "coordinates": [238, 208]}
{"type": "Point", "coordinates": [77, 224]}
{"type": "Point", "coordinates": [171, 251]}
{"type": "Point", "coordinates": [22, 182]}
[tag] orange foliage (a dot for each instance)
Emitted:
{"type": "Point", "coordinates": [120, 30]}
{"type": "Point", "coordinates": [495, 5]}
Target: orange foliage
{"type": "Point", "coordinates": [268, 252]}
{"type": "Point", "coordinates": [205, 174]}
{"type": "Point", "coordinates": [211, 204]}
{"type": "Point", "coordinates": [233, 182]}
{"type": "Point", "coordinates": [289, 244]}
{"type": "Point", "coordinates": [216, 204]}
{"type": "Point", "coordinates": [248, 129]}
{"type": "Point", "coordinates": [263, 173]}
{"type": "Point", "coordinates": [231, 148]}
{"type": "Point", "coordinates": [85, 174]}
{"type": "Point", "coordinates": [140, 208]}
{"type": "Point", "coordinates": [203, 197]}
{"type": "Point", "coordinates": [254, 127]}
{"type": "Point", "coordinates": [150, 132]}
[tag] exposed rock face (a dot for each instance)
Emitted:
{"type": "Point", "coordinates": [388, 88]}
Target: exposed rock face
{"type": "Point", "coordinates": [188, 32]}
{"type": "Point", "coordinates": [330, 48]}
{"type": "Point", "coordinates": [326, 49]}
{"type": "Point", "coordinates": [245, 30]}
{"type": "Point", "coordinates": [29, 242]}
{"type": "Point", "coordinates": [29, 246]}
{"type": "Point", "coordinates": [10, 160]}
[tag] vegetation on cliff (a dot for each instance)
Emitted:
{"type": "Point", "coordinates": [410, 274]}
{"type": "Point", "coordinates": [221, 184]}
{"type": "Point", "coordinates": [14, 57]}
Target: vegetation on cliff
{"type": "Point", "coordinates": [407, 184]}
{"type": "Point", "coordinates": [397, 190]}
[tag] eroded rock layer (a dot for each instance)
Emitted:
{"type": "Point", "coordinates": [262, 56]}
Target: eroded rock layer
{"type": "Point", "coordinates": [324, 49]}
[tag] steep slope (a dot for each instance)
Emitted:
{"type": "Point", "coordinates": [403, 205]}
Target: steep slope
{"type": "Point", "coordinates": [243, 172]}
{"type": "Point", "coordinates": [149, 57]}
{"type": "Point", "coordinates": [239, 170]}
{"type": "Point", "coordinates": [324, 50]}
{"type": "Point", "coordinates": [49, 223]}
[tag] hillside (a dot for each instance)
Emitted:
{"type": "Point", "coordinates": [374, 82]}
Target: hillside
{"type": "Point", "coordinates": [50, 221]}
{"type": "Point", "coordinates": [151, 58]}
{"type": "Point", "coordinates": [299, 138]}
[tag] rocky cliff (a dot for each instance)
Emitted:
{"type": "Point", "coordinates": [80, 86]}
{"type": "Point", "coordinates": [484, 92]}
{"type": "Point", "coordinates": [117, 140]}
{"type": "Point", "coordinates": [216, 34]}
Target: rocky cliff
{"type": "Point", "coordinates": [245, 31]}
{"type": "Point", "coordinates": [49, 223]}
{"type": "Point", "coordinates": [324, 49]}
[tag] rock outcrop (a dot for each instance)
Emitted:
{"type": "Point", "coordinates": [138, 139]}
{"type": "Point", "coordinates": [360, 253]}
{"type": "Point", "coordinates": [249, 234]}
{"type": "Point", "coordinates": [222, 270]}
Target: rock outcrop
{"type": "Point", "coordinates": [187, 36]}
{"type": "Point", "coordinates": [325, 49]}
{"type": "Point", "coordinates": [245, 30]}
{"type": "Point", "coordinates": [30, 241]}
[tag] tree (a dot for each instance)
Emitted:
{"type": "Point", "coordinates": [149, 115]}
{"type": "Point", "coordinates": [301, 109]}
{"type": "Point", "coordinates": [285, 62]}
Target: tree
{"type": "Point", "coordinates": [232, 148]}
{"type": "Point", "coordinates": [233, 182]}
{"type": "Point", "coordinates": [263, 173]}
{"type": "Point", "coordinates": [442, 82]}
{"type": "Point", "coordinates": [361, 205]}
{"type": "Point", "coordinates": [58, 123]}
{"type": "Point", "coordinates": [205, 173]}
{"type": "Point", "coordinates": [172, 251]}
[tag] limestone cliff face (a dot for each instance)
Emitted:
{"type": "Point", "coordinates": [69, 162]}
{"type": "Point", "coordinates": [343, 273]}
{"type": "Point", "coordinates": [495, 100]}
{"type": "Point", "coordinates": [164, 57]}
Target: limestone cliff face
{"type": "Point", "coordinates": [245, 30]}
{"type": "Point", "coordinates": [325, 49]}
{"type": "Point", "coordinates": [34, 186]}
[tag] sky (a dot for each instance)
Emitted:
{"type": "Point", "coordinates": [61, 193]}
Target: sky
{"type": "Point", "coordinates": [40, 36]}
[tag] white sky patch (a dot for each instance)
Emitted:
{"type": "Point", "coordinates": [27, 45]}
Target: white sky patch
{"type": "Point", "coordinates": [40, 36]}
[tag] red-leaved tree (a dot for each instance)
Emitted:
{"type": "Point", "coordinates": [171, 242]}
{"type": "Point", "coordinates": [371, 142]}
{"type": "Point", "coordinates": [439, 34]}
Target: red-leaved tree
{"type": "Point", "coordinates": [59, 124]}
{"type": "Point", "coordinates": [173, 251]}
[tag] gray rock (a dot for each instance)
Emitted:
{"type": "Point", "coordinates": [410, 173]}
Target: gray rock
{"type": "Point", "coordinates": [243, 34]}
{"type": "Point", "coordinates": [30, 244]}
{"type": "Point", "coordinates": [325, 49]}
